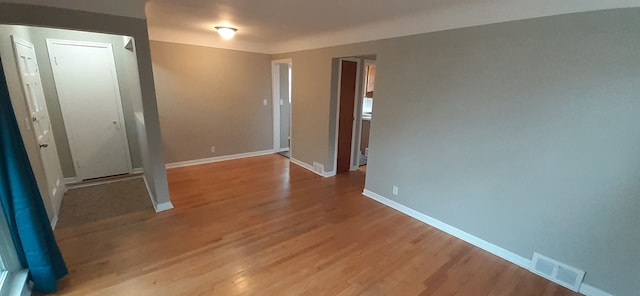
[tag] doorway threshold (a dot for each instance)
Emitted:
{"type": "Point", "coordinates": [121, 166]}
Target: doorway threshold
{"type": "Point", "coordinates": [103, 180]}
{"type": "Point", "coordinates": [286, 154]}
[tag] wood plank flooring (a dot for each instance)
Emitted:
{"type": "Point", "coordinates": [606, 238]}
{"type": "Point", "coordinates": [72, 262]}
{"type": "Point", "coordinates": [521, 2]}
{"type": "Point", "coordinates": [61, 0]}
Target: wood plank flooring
{"type": "Point", "coordinates": [259, 226]}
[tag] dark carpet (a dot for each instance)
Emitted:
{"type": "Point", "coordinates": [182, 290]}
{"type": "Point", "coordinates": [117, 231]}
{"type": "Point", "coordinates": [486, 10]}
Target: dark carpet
{"type": "Point", "coordinates": [94, 203]}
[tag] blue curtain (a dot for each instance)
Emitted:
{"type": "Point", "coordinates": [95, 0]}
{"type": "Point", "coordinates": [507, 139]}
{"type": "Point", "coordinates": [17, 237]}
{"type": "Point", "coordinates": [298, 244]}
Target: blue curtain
{"type": "Point", "coordinates": [23, 205]}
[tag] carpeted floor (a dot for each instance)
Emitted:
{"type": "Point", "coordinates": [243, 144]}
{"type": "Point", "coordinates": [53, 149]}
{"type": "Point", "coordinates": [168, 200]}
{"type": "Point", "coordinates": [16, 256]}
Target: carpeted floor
{"type": "Point", "coordinates": [94, 203]}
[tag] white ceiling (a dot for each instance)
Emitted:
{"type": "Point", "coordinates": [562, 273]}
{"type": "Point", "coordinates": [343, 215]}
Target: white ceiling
{"type": "Point", "coordinates": [275, 26]}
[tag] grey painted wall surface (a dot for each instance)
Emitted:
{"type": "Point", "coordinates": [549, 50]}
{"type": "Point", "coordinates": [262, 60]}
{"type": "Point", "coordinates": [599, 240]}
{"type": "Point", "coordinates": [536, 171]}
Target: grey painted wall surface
{"type": "Point", "coordinates": [212, 97]}
{"type": "Point", "coordinates": [525, 134]}
{"type": "Point", "coordinates": [18, 14]}
{"type": "Point", "coordinates": [285, 108]}
{"type": "Point", "coordinates": [125, 61]}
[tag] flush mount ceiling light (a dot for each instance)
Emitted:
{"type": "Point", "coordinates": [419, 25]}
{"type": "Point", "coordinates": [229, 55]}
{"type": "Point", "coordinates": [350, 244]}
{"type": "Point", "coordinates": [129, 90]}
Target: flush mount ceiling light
{"type": "Point", "coordinates": [226, 32]}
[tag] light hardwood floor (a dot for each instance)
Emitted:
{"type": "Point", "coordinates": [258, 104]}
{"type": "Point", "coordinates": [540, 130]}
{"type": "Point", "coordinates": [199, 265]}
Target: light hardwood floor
{"type": "Point", "coordinates": [260, 226]}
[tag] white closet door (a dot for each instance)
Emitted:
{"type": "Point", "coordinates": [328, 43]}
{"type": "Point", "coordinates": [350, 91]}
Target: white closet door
{"type": "Point", "coordinates": [87, 86]}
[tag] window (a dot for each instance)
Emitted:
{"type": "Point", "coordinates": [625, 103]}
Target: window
{"type": "Point", "coordinates": [12, 279]}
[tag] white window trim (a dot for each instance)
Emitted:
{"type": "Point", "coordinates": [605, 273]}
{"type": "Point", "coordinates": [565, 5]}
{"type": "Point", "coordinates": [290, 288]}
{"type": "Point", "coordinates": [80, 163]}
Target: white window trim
{"type": "Point", "coordinates": [13, 279]}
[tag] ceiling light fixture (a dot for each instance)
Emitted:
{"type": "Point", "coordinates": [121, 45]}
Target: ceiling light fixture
{"type": "Point", "coordinates": [226, 32]}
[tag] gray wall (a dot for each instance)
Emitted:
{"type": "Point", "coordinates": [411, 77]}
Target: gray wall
{"type": "Point", "coordinates": [126, 68]}
{"type": "Point", "coordinates": [18, 14]}
{"type": "Point", "coordinates": [285, 108]}
{"type": "Point", "coordinates": [525, 134]}
{"type": "Point", "coordinates": [212, 97]}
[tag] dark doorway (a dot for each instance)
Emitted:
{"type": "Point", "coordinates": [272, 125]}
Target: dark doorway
{"type": "Point", "coordinates": [348, 86]}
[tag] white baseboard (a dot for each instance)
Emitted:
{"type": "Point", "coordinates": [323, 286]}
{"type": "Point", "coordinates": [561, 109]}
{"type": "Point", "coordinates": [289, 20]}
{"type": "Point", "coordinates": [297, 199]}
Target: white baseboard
{"type": "Point", "coordinates": [217, 159]}
{"type": "Point", "coordinates": [329, 174]}
{"type": "Point", "coordinates": [588, 290]}
{"type": "Point", "coordinates": [59, 196]}
{"type": "Point", "coordinates": [75, 180]}
{"type": "Point", "coordinates": [303, 165]}
{"type": "Point", "coordinates": [474, 240]}
{"type": "Point", "coordinates": [283, 149]}
{"type": "Point", "coordinates": [107, 181]}
{"type": "Point", "coordinates": [54, 222]}
{"type": "Point", "coordinates": [71, 180]}
{"type": "Point", "coordinates": [151, 195]}
{"type": "Point", "coordinates": [310, 168]}
{"type": "Point", "coordinates": [165, 206]}
{"type": "Point", "coordinates": [469, 238]}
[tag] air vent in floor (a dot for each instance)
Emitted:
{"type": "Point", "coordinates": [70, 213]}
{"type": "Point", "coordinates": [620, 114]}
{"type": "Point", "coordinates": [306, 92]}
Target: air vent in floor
{"type": "Point", "coordinates": [557, 272]}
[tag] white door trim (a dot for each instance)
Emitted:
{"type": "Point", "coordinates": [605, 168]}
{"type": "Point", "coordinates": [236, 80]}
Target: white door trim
{"type": "Point", "coordinates": [123, 130]}
{"type": "Point", "coordinates": [359, 106]}
{"type": "Point", "coordinates": [355, 111]}
{"type": "Point", "coordinates": [56, 193]}
{"type": "Point", "coordinates": [275, 86]}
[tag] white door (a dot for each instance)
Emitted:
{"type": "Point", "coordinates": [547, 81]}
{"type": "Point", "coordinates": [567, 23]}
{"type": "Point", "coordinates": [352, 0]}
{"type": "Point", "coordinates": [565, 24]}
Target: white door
{"type": "Point", "coordinates": [32, 87]}
{"type": "Point", "coordinates": [87, 86]}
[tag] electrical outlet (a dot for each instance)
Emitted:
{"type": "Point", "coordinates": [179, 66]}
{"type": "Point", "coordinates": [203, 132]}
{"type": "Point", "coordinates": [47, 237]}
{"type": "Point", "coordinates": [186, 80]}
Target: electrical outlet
{"type": "Point", "coordinates": [265, 102]}
{"type": "Point", "coordinates": [394, 190]}
{"type": "Point", "coordinates": [213, 149]}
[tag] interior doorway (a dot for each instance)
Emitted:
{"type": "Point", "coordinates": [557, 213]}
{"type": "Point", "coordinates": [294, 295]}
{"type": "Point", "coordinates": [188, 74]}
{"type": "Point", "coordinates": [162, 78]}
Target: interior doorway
{"type": "Point", "coordinates": [282, 78]}
{"type": "Point", "coordinates": [89, 94]}
{"type": "Point", "coordinates": [347, 98]}
{"type": "Point", "coordinates": [368, 91]}
{"type": "Point", "coordinates": [354, 109]}
{"type": "Point", "coordinates": [46, 117]}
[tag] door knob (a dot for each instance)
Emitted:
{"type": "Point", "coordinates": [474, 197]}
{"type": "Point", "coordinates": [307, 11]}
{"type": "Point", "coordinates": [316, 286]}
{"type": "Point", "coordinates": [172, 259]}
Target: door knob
{"type": "Point", "coordinates": [45, 145]}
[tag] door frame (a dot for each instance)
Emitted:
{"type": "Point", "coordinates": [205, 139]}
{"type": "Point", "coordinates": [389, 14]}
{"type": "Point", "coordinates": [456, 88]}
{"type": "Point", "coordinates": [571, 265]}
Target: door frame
{"type": "Point", "coordinates": [356, 116]}
{"type": "Point", "coordinates": [276, 91]}
{"type": "Point", "coordinates": [123, 129]}
{"type": "Point", "coordinates": [359, 106]}
{"type": "Point", "coordinates": [57, 194]}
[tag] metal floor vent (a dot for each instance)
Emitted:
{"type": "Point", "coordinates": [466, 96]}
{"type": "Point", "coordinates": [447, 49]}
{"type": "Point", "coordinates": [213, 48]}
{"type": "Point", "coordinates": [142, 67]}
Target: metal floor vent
{"type": "Point", "coordinates": [562, 274]}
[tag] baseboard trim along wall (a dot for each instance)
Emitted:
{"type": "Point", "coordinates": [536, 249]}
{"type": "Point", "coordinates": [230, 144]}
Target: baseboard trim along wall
{"type": "Point", "coordinates": [505, 254]}
{"type": "Point", "coordinates": [309, 167]}
{"type": "Point", "coordinates": [217, 159]}
{"type": "Point", "coordinates": [157, 207]}
{"type": "Point", "coordinates": [101, 182]}
{"type": "Point", "coordinates": [54, 222]}
{"type": "Point", "coordinates": [70, 180]}
{"type": "Point", "coordinates": [74, 180]}
{"type": "Point", "coordinates": [165, 206]}
{"type": "Point", "coordinates": [588, 290]}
